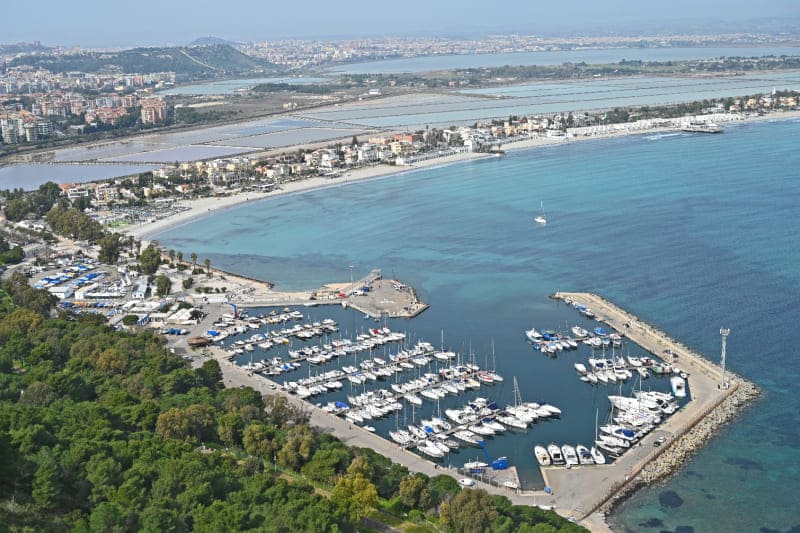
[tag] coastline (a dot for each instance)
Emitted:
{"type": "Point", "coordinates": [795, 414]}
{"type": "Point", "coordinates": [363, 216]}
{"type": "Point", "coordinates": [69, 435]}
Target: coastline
{"type": "Point", "coordinates": [201, 207]}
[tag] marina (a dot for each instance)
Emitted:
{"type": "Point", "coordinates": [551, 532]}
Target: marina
{"type": "Point", "coordinates": [368, 383]}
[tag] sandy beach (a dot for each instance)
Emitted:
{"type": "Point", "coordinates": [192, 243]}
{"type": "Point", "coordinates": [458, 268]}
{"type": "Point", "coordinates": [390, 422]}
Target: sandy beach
{"type": "Point", "coordinates": [201, 207]}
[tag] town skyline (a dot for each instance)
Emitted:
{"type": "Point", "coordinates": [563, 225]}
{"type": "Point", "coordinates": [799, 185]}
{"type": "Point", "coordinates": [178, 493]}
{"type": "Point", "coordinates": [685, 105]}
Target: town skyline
{"type": "Point", "coordinates": [177, 23]}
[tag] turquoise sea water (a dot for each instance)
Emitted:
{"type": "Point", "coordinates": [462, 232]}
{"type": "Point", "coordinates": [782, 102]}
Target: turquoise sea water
{"type": "Point", "coordinates": [690, 232]}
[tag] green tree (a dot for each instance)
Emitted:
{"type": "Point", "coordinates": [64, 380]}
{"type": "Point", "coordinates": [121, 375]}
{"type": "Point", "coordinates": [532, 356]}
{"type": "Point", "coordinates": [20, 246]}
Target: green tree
{"type": "Point", "coordinates": [259, 440]}
{"type": "Point", "coordinates": [471, 511]}
{"type": "Point", "coordinates": [47, 484]}
{"type": "Point", "coordinates": [21, 292]}
{"type": "Point", "coordinates": [298, 449]}
{"type": "Point", "coordinates": [163, 285]}
{"type": "Point", "coordinates": [207, 263]}
{"type": "Point", "coordinates": [171, 255]}
{"type": "Point", "coordinates": [187, 283]}
{"type": "Point", "coordinates": [16, 209]}
{"type": "Point", "coordinates": [360, 465]}
{"type": "Point", "coordinates": [110, 248]}
{"type": "Point", "coordinates": [193, 257]}
{"type": "Point", "coordinates": [355, 495]}
{"type": "Point", "coordinates": [230, 428]}
{"type": "Point", "coordinates": [179, 255]}
{"type": "Point", "coordinates": [150, 259]}
{"type": "Point", "coordinates": [411, 490]}
{"type": "Point", "coordinates": [210, 375]}
{"type": "Point", "coordinates": [107, 517]}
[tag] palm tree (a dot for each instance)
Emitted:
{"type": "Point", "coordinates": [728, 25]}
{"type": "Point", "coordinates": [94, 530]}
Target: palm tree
{"type": "Point", "coordinates": [194, 260]}
{"type": "Point", "coordinates": [171, 255]}
{"type": "Point", "coordinates": [180, 257]}
{"type": "Point", "coordinates": [207, 263]}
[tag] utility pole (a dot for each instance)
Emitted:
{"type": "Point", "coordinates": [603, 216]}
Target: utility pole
{"type": "Point", "coordinates": [724, 332]}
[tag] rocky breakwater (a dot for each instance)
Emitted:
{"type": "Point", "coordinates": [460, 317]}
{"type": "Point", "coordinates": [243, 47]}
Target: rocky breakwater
{"type": "Point", "coordinates": [676, 451]}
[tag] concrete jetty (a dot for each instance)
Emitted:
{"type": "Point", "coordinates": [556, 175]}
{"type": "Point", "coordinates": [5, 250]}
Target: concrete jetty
{"type": "Point", "coordinates": [372, 295]}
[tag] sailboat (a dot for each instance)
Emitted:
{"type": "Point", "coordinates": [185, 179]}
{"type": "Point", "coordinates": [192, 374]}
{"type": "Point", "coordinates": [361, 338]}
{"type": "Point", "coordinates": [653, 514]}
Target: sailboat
{"type": "Point", "coordinates": [541, 219]}
{"type": "Point", "coordinates": [596, 454]}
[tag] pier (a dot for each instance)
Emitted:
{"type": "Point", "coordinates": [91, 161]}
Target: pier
{"type": "Point", "coordinates": [372, 295]}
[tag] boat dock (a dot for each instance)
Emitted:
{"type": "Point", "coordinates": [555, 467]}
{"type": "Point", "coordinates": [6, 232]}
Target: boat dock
{"type": "Point", "coordinates": [372, 295]}
{"type": "Point", "coordinates": [711, 405]}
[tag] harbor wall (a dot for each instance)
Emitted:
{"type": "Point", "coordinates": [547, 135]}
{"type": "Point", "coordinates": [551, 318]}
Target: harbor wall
{"type": "Point", "coordinates": [715, 406]}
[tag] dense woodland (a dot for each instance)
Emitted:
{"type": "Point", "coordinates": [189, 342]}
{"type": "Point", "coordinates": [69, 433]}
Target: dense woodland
{"type": "Point", "coordinates": [102, 430]}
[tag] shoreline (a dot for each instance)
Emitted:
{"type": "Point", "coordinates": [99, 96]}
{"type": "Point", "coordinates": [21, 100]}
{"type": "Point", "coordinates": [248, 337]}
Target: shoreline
{"type": "Point", "coordinates": [202, 207]}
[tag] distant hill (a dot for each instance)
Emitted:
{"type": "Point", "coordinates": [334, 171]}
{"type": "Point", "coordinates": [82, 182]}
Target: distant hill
{"type": "Point", "coordinates": [22, 48]}
{"type": "Point", "coordinates": [195, 61]}
{"type": "Point", "coordinates": [211, 41]}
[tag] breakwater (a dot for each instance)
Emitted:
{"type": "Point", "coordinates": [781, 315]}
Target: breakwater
{"type": "Point", "coordinates": [710, 408]}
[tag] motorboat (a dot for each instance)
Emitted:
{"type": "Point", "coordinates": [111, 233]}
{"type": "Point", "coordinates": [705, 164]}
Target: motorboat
{"type": "Point", "coordinates": [570, 456]}
{"type": "Point", "coordinates": [467, 436]}
{"type": "Point", "coordinates": [512, 421]}
{"type": "Point", "coordinates": [555, 454]}
{"type": "Point", "coordinates": [428, 449]}
{"type": "Point", "coordinates": [541, 455]}
{"type": "Point", "coordinates": [579, 332]}
{"type": "Point", "coordinates": [475, 466]}
{"type": "Point", "coordinates": [678, 386]}
{"type": "Point", "coordinates": [620, 432]}
{"type": "Point", "coordinates": [700, 126]}
{"type": "Point", "coordinates": [597, 456]}
{"type": "Point", "coordinates": [533, 335]}
{"type": "Point", "coordinates": [584, 455]}
{"type": "Point", "coordinates": [580, 368]}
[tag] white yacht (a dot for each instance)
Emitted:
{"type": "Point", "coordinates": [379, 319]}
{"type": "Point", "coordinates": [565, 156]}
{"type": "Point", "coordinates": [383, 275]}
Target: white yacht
{"type": "Point", "coordinates": [555, 454]}
{"type": "Point", "coordinates": [678, 386]}
{"type": "Point", "coordinates": [597, 456]}
{"type": "Point", "coordinates": [533, 335]}
{"type": "Point", "coordinates": [700, 126]}
{"type": "Point", "coordinates": [584, 455]}
{"type": "Point", "coordinates": [541, 455]}
{"type": "Point", "coordinates": [569, 455]}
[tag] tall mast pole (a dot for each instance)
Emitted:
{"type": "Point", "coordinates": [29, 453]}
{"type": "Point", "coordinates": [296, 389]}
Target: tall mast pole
{"type": "Point", "coordinates": [724, 332]}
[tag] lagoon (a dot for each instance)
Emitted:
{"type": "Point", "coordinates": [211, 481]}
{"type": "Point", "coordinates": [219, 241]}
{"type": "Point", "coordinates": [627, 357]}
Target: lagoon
{"type": "Point", "coordinates": [555, 57]}
{"type": "Point", "coordinates": [30, 176]}
{"type": "Point", "coordinates": [416, 111]}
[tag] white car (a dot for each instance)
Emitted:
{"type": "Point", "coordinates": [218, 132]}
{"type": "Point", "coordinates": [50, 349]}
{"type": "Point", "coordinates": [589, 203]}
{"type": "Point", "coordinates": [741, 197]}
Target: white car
{"type": "Point", "coordinates": [466, 482]}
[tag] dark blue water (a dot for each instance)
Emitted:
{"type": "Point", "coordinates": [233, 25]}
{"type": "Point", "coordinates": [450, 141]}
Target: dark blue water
{"type": "Point", "coordinates": [690, 232]}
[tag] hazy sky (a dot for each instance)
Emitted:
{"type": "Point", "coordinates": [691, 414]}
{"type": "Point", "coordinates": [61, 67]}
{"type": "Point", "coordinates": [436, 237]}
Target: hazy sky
{"type": "Point", "coordinates": [112, 23]}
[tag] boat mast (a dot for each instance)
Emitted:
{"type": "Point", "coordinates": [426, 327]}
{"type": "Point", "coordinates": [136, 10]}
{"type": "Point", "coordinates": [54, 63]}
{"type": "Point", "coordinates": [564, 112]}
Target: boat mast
{"type": "Point", "coordinates": [724, 332]}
